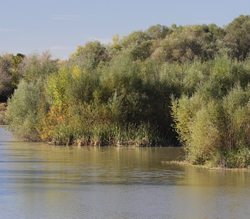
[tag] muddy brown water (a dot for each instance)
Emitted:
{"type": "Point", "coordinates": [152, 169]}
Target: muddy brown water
{"type": "Point", "coordinates": [43, 181]}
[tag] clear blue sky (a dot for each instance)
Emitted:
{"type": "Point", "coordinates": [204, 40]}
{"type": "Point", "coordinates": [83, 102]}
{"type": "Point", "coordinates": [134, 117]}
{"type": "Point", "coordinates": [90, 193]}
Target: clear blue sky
{"type": "Point", "coordinates": [62, 25]}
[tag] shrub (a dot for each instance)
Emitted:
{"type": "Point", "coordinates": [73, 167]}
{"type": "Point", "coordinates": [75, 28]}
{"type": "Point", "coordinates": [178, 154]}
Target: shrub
{"type": "Point", "coordinates": [23, 109]}
{"type": "Point", "coordinates": [209, 127]}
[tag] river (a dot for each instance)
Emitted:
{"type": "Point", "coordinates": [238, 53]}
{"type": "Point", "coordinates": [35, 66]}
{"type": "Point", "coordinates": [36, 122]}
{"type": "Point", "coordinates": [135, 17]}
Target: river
{"type": "Point", "coordinates": [44, 181]}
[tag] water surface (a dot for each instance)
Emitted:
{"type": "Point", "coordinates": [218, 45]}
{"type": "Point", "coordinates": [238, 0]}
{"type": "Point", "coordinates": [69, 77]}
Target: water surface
{"type": "Point", "coordinates": [43, 181]}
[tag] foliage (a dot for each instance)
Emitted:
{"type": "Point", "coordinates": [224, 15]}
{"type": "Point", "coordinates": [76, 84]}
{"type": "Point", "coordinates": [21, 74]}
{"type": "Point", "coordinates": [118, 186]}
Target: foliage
{"type": "Point", "coordinates": [237, 37]}
{"type": "Point", "coordinates": [28, 104]}
{"type": "Point", "coordinates": [37, 66]}
{"type": "Point", "coordinates": [23, 109]}
{"type": "Point", "coordinates": [158, 31]}
{"type": "Point", "coordinates": [179, 46]}
{"type": "Point", "coordinates": [214, 120]}
{"type": "Point", "coordinates": [9, 74]}
{"type": "Point", "coordinates": [90, 55]}
{"type": "Point", "coordinates": [112, 100]}
{"type": "Point", "coordinates": [145, 89]}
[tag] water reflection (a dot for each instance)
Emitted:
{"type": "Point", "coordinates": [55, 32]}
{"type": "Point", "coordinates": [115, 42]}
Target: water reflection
{"type": "Point", "coordinates": [84, 165]}
{"type": "Point", "coordinates": [42, 181]}
{"type": "Point", "coordinates": [214, 193]}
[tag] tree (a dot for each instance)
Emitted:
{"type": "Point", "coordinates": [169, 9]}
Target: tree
{"type": "Point", "coordinates": [137, 45]}
{"type": "Point", "coordinates": [158, 31]}
{"type": "Point", "coordinates": [37, 66]}
{"type": "Point", "coordinates": [9, 74]}
{"type": "Point", "coordinates": [238, 36]}
{"type": "Point", "coordinates": [90, 55]}
{"type": "Point", "coordinates": [182, 45]}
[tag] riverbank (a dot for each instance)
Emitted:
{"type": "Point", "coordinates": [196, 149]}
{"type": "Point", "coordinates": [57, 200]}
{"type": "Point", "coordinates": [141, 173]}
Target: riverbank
{"type": "Point", "coordinates": [146, 89]}
{"type": "Point", "coordinates": [186, 163]}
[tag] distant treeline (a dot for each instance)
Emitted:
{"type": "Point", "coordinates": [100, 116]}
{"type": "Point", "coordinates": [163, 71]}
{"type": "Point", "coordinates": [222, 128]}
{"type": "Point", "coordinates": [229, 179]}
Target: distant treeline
{"type": "Point", "coordinates": [175, 85]}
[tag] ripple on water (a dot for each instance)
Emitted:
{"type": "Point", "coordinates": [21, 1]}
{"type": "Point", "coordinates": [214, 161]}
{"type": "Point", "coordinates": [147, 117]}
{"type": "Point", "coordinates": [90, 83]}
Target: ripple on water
{"type": "Point", "coordinates": [42, 181]}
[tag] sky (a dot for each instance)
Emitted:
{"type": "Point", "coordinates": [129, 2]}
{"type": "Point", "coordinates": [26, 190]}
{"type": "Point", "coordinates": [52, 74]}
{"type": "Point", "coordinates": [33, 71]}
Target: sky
{"type": "Point", "coordinates": [60, 26]}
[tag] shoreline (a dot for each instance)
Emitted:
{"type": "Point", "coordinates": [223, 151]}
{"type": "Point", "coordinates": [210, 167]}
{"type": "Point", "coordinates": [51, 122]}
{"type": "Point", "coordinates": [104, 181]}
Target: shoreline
{"type": "Point", "coordinates": [185, 163]}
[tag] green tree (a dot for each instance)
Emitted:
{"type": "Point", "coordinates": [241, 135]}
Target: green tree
{"type": "Point", "coordinates": [158, 31]}
{"type": "Point", "coordinates": [137, 45]}
{"type": "Point", "coordinates": [90, 55]}
{"type": "Point", "coordinates": [37, 66]}
{"type": "Point", "coordinates": [24, 108]}
{"type": "Point", "coordinates": [9, 74]}
{"type": "Point", "coordinates": [237, 36]}
{"type": "Point", "coordinates": [180, 46]}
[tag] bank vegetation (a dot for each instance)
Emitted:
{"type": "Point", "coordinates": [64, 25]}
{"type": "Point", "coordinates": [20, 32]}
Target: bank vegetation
{"type": "Point", "coordinates": [178, 85]}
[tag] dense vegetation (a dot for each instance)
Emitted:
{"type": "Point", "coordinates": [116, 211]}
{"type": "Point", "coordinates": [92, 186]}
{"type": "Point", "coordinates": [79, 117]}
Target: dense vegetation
{"type": "Point", "coordinates": [161, 86]}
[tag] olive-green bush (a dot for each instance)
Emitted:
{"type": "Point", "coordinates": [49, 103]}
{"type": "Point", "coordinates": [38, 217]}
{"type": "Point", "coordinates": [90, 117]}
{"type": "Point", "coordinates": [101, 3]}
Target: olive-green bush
{"type": "Point", "coordinates": [213, 122]}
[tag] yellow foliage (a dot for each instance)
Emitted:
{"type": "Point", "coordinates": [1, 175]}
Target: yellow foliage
{"type": "Point", "coordinates": [76, 71]}
{"type": "Point", "coordinates": [55, 117]}
{"type": "Point", "coordinates": [116, 39]}
{"type": "Point", "coordinates": [77, 53]}
{"type": "Point", "coordinates": [57, 85]}
{"type": "Point", "coordinates": [116, 42]}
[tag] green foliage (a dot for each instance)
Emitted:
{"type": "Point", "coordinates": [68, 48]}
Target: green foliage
{"type": "Point", "coordinates": [119, 99]}
{"type": "Point", "coordinates": [23, 109]}
{"type": "Point", "coordinates": [137, 45]}
{"type": "Point", "coordinates": [158, 31]}
{"type": "Point", "coordinates": [28, 104]}
{"type": "Point", "coordinates": [116, 43]}
{"type": "Point", "coordinates": [179, 46]}
{"type": "Point", "coordinates": [215, 119]}
{"type": "Point", "coordinates": [57, 86]}
{"type": "Point", "coordinates": [145, 89]}
{"type": "Point", "coordinates": [38, 66]}
{"type": "Point", "coordinates": [5, 74]}
{"type": "Point", "coordinates": [237, 37]}
{"type": "Point", "coordinates": [238, 159]}
{"type": "Point", "coordinates": [9, 74]}
{"type": "Point", "coordinates": [90, 55]}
